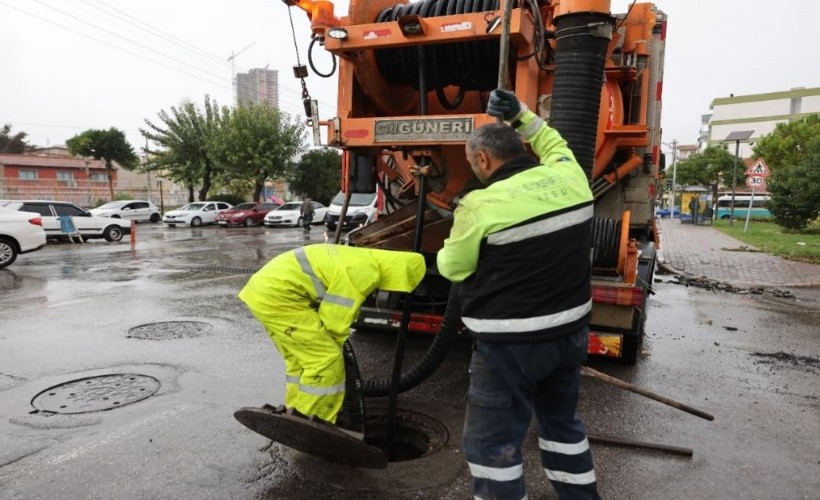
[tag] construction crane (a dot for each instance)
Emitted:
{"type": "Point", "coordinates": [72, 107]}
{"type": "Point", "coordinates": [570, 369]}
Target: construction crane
{"type": "Point", "coordinates": [232, 60]}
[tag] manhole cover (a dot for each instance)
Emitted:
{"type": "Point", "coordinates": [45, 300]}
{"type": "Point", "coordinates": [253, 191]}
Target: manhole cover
{"type": "Point", "coordinates": [169, 330]}
{"type": "Point", "coordinates": [96, 393]}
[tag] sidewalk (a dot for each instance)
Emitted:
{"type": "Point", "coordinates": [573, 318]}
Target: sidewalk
{"type": "Point", "coordinates": [698, 251]}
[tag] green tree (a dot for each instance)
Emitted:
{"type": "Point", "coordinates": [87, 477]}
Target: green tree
{"type": "Point", "coordinates": [795, 190]}
{"type": "Point", "coordinates": [786, 146]}
{"type": "Point", "coordinates": [108, 145]}
{"type": "Point", "coordinates": [711, 167]}
{"type": "Point", "coordinates": [13, 143]}
{"type": "Point", "coordinates": [255, 144]}
{"type": "Point", "coordinates": [184, 136]}
{"type": "Point", "coordinates": [792, 151]}
{"type": "Point", "coordinates": [317, 174]}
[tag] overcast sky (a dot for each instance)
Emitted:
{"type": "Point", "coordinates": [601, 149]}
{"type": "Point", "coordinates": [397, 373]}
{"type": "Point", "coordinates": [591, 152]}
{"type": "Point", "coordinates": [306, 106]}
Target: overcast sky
{"type": "Point", "coordinates": [69, 65]}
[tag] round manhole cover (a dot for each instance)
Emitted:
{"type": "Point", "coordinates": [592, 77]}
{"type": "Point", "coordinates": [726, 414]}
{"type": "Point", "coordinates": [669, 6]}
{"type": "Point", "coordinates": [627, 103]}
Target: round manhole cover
{"type": "Point", "coordinates": [96, 393]}
{"type": "Point", "coordinates": [169, 330]}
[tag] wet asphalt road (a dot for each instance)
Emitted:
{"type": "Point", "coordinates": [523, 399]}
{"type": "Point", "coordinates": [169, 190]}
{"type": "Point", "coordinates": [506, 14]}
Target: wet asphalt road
{"type": "Point", "coordinates": [67, 312]}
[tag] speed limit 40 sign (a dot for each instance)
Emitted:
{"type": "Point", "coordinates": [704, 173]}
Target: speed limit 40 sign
{"type": "Point", "coordinates": [756, 182]}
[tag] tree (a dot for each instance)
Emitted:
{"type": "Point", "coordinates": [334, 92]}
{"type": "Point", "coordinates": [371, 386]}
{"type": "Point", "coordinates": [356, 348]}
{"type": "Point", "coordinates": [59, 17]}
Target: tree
{"type": "Point", "coordinates": [711, 167]}
{"type": "Point", "coordinates": [184, 136]}
{"type": "Point", "coordinates": [13, 143]}
{"type": "Point", "coordinates": [792, 151]}
{"type": "Point", "coordinates": [786, 146]}
{"type": "Point", "coordinates": [108, 145]}
{"type": "Point", "coordinates": [795, 190]}
{"type": "Point", "coordinates": [317, 174]}
{"type": "Point", "coordinates": [254, 144]}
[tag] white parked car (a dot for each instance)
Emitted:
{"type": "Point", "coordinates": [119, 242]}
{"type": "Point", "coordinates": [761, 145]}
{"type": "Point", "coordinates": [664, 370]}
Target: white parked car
{"type": "Point", "coordinates": [88, 226]}
{"type": "Point", "coordinates": [196, 213]}
{"type": "Point", "coordinates": [138, 210]}
{"type": "Point", "coordinates": [290, 214]}
{"type": "Point", "coordinates": [20, 232]}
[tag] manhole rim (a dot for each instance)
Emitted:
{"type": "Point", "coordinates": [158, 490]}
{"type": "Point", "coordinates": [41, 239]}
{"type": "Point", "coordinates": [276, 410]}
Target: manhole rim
{"type": "Point", "coordinates": [436, 440]}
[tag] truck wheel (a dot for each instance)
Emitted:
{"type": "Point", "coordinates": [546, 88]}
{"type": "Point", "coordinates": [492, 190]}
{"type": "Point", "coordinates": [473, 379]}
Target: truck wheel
{"type": "Point", "coordinates": [725, 217]}
{"type": "Point", "coordinates": [8, 252]}
{"type": "Point", "coordinates": [196, 222]}
{"type": "Point", "coordinates": [113, 233]}
{"type": "Point", "coordinates": [154, 218]}
{"type": "Point", "coordinates": [633, 341]}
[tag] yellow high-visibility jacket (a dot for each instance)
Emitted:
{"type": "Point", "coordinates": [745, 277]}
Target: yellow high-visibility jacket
{"type": "Point", "coordinates": [332, 279]}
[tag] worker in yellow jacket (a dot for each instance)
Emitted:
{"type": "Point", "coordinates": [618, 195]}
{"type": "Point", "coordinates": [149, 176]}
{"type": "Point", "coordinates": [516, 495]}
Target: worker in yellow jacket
{"type": "Point", "coordinates": [308, 298]}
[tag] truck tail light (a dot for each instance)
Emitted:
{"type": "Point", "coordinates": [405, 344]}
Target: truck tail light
{"type": "Point", "coordinates": [632, 296]}
{"type": "Point", "coordinates": [37, 221]}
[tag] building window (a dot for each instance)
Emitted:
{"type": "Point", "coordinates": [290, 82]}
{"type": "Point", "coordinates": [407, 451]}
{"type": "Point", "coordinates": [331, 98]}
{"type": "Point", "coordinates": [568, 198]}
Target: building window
{"type": "Point", "coordinates": [28, 175]}
{"type": "Point", "coordinates": [66, 178]}
{"type": "Point", "coordinates": [97, 177]}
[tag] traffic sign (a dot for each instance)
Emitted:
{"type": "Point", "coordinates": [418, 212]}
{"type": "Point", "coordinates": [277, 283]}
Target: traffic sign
{"type": "Point", "coordinates": [756, 182]}
{"type": "Point", "coordinates": [758, 168]}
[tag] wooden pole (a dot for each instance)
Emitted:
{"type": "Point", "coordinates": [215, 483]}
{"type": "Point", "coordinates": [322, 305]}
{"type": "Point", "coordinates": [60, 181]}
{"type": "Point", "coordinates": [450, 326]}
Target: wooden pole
{"type": "Point", "coordinates": [585, 370]}
{"type": "Point", "coordinates": [686, 452]}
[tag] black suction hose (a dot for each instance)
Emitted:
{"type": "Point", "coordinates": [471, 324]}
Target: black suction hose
{"type": "Point", "coordinates": [435, 354]}
{"type": "Point", "coordinates": [581, 42]}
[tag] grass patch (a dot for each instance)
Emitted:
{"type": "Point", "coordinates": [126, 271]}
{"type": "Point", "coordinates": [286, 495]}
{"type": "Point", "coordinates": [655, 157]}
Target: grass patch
{"type": "Point", "coordinates": [771, 238]}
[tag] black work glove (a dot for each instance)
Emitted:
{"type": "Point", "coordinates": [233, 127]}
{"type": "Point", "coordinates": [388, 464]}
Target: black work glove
{"type": "Point", "coordinates": [503, 104]}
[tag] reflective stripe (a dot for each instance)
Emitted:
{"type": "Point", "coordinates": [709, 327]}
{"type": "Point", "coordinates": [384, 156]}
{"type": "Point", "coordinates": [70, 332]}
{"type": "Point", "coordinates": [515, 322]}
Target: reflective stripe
{"type": "Point", "coordinates": [541, 227]}
{"type": "Point", "coordinates": [531, 128]}
{"type": "Point", "coordinates": [564, 448]}
{"type": "Point", "coordinates": [339, 300]}
{"type": "Point", "coordinates": [322, 391]}
{"type": "Point", "coordinates": [528, 324]}
{"type": "Point", "coordinates": [307, 269]}
{"type": "Point", "coordinates": [566, 477]}
{"type": "Point", "coordinates": [291, 379]}
{"type": "Point", "coordinates": [496, 473]}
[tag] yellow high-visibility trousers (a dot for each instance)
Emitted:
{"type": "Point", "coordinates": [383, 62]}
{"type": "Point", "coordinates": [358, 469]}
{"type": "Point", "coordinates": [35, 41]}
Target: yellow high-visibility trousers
{"type": "Point", "coordinates": [314, 363]}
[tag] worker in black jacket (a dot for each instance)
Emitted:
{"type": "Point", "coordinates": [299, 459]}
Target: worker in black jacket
{"type": "Point", "coordinates": [521, 248]}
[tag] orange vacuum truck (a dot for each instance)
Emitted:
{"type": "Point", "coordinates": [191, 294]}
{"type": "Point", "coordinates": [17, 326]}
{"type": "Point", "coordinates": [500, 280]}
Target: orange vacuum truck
{"type": "Point", "coordinates": [414, 79]}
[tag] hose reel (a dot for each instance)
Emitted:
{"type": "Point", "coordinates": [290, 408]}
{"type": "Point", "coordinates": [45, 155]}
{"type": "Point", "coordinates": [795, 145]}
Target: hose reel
{"type": "Point", "coordinates": [471, 66]}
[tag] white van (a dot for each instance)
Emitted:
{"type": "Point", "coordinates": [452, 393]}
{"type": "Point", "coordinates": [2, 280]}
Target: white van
{"type": "Point", "coordinates": [363, 209]}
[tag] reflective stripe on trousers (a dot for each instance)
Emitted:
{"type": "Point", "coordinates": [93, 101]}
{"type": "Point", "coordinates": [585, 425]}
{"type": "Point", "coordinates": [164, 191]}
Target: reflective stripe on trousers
{"type": "Point", "coordinates": [507, 384]}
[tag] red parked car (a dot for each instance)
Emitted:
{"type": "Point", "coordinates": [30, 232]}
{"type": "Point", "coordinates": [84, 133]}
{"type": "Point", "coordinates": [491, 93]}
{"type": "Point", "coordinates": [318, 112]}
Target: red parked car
{"type": "Point", "coordinates": [245, 214]}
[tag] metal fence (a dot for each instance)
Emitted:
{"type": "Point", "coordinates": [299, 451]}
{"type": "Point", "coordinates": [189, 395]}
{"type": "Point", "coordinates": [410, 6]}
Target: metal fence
{"type": "Point", "coordinates": [87, 194]}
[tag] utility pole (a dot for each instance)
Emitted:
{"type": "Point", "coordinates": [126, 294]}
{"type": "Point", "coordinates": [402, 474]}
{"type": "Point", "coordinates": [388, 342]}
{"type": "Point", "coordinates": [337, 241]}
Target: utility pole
{"type": "Point", "coordinates": [232, 60]}
{"type": "Point", "coordinates": [674, 145]}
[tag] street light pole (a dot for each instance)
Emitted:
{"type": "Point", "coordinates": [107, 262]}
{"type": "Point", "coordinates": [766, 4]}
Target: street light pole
{"type": "Point", "coordinates": [734, 184]}
{"type": "Point", "coordinates": [737, 136]}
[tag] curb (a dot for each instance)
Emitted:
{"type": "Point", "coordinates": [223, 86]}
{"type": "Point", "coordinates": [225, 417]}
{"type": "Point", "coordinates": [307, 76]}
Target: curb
{"type": "Point", "coordinates": [672, 270]}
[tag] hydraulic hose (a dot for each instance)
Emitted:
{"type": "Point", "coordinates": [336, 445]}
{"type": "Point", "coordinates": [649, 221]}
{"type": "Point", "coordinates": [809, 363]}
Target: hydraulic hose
{"type": "Point", "coordinates": [435, 354]}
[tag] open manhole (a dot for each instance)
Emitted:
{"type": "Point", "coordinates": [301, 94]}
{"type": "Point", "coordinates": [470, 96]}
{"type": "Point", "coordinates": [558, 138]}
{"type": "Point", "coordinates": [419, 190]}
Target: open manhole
{"type": "Point", "coordinates": [99, 393]}
{"type": "Point", "coordinates": [169, 330]}
{"type": "Point", "coordinates": [417, 435]}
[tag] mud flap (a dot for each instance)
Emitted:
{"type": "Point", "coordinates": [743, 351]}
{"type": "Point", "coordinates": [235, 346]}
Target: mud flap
{"type": "Point", "coordinates": [311, 435]}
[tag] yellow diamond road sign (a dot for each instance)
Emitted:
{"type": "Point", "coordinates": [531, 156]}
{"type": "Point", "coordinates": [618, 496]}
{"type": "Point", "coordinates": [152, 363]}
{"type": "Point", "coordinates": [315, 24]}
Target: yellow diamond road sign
{"type": "Point", "coordinates": [758, 168]}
